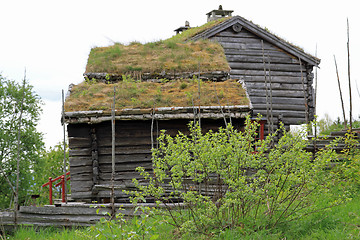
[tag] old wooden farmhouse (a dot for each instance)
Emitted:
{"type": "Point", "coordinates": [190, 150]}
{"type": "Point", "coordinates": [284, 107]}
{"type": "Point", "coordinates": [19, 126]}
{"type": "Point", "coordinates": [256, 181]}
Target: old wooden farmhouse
{"type": "Point", "coordinates": [244, 70]}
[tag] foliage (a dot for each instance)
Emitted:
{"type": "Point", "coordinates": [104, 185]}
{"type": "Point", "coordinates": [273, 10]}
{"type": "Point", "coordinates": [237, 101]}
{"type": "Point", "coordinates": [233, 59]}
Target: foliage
{"type": "Point", "coordinates": [121, 228]}
{"type": "Point", "coordinates": [340, 222]}
{"type": "Point", "coordinates": [326, 125]}
{"type": "Point", "coordinates": [31, 141]}
{"type": "Point", "coordinates": [222, 183]}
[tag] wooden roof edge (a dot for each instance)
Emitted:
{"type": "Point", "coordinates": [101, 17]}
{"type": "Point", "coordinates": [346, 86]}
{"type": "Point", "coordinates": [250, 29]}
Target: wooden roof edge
{"type": "Point", "coordinates": [262, 33]}
{"type": "Point", "coordinates": [145, 76]}
{"type": "Point", "coordinates": [165, 113]}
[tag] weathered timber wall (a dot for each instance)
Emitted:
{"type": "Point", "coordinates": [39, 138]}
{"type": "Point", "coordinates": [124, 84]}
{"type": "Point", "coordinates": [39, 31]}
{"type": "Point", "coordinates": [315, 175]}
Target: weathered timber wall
{"type": "Point", "coordinates": [90, 154]}
{"type": "Point", "coordinates": [246, 56]}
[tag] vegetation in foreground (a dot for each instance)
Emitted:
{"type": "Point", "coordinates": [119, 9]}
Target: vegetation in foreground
{"type": "Point", "coordinates": [297, 196]}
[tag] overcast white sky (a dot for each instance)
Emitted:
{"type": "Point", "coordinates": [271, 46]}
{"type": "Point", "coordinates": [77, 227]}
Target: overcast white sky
{"type": "Point", "coordinates": [52, 39]}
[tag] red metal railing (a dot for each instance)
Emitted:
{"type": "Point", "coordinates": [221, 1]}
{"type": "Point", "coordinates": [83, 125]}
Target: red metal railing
{"type": "Point", "coordinates": [62, 183]}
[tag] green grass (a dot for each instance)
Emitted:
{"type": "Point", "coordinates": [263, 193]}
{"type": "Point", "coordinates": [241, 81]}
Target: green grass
{"type": "Point", "coordinates": [145, 95]}
{"type": "Point", "coordinates": [341, 222]}
{"type": "Point", "coordinates": [173, 54]}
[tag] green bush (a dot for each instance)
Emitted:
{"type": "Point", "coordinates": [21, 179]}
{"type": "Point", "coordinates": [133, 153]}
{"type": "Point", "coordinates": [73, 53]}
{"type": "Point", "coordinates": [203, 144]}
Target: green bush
{"type": "Point", "coordinates": [218, 180]}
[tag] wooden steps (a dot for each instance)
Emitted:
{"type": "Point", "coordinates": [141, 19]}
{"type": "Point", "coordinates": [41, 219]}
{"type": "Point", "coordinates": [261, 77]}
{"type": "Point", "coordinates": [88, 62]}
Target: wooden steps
{"type": "Point", "coordinates": [324, 141]}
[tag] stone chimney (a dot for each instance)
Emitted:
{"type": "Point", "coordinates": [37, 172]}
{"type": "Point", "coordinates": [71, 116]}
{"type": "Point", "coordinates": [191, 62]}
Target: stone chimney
{"type": "Point", "coordinates": [183, 28]}
{"type": "Point", "coordinates": [220, 13]}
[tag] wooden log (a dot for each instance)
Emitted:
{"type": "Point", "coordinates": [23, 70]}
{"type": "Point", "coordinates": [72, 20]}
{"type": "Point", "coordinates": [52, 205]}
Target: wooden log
{"type": "Point", "coordinates": [249, 45]}
{"type": "Point", "coordinates": [274, 79]}
{"type": "Point", "coordinates": [81, 186]}
{"type": "Point", "coordinates": [293, 107]}
{"type": "Point", "coordinates": [243, 58]}
{"type": "Point", "coordinates": [275, 86]}
{"type": "Point", "coordinates": [79, 142]}
{"type": "Point", "coordinates": [63, 210]}
{"type": "Point", "coordinates": [128, 150]}
{"type": "Point", "coordinates": [78, 130]}
{"type": "Point", "coordinates": [80, 161]}
{"type": "Point", "coordinates": [106, 168]}
{"type": "Point", "coordinates": [274, 67]}
{"type": "Point", "coordinates": [120, 159]}
{"type": "Point", "coordinates": [238, 73]}
{"type": "Point", "coordinates": [286, 113]}
{"type": "Point", "coordinates": [275, 93]}
{"type": "Point", "coordinates": [278, 100]}
{"type": "Point", "coordinates": [242, 34]}
{"type": "Point", "coordinates": [79, 152]}
{"type": "Point", "coordinates": [81, 177]}
{"type": "Point", "coordinates": [81, 170]}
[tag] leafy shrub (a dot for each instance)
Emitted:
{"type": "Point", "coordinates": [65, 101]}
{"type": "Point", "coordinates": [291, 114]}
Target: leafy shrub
{"type": "Point", "coordinates": [217, 181]}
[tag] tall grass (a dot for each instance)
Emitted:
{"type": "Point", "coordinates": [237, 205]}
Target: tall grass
{"type": "Point", "coordinates": [340, 222]}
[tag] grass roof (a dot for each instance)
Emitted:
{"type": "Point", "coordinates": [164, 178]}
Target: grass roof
{"type": "Point", "coordinates": [171, 55]}
{"type": "Point", "coordinates": [131, 94]}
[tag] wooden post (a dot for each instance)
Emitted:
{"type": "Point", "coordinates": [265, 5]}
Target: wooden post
{"type": "Point", "coordinates": [50, 191]}
{"type": "Point", "coordinates": [113, 157]}
{"type": "Point", "coordinates": [64, 146]}
{"type": "Point", "coordinates": [271, 99]}
{"type": "Point", "coordinates": [266, 88]}
{"type": "Point", "coordinates": [63, 191]}
{"type": "Point", "coordinates": [199, 96]}
{"type": "Point", "coordinates": [305, 100]}
{"type": "Point", "coordinates": [222, 112]}
{"type": "Point", "coordinates": [341, 98]}
{"type": "Point", "coordinates": [348, 51]}
{"type": "Point", "coordinates": [16, 202]}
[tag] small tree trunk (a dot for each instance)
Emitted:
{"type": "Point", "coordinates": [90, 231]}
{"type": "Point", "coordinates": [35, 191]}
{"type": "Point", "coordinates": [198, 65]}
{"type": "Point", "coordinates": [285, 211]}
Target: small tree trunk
{"type": "Point", "coordinates": [16, 202]}
{"type": "Point", "coordinates": [341, 98]}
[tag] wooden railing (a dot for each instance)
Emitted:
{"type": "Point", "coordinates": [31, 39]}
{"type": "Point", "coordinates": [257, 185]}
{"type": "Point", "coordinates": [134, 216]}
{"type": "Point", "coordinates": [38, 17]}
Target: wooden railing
{"type": "Point", "coordinates": [62, 183]}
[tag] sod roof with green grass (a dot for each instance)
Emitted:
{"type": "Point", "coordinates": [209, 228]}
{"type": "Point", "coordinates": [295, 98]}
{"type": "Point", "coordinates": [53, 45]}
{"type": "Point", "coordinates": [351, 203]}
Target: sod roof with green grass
{"type": "Point", "coordinates": [174, 55]}
{"type": "Point", "coordinates": [171, 55]}
{"type": "Point", "coordinates": [131, 94]}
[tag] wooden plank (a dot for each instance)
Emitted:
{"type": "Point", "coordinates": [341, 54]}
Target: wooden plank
{"type": "Point", "coordinates": [274, 79]}
{"type": "Point", "coordinates": [79, 142]}
{"type": "Point", "coordinates": [133, 141]}
{"type": "Point", "coordinates": [120, 159]}
{"type": "Point", "coordinates": [63, 210]}
{"type": "Point", "coordinates": [286, 113]}
{"type": "Point", "coordinates": [142, 149]}
{"type": "Point", "coordinates": [254, 52]}
{"type": "Point", "coordinates": [106, 168]}
{"type": "Point", "coordinates": [279, 100]}
{"type": "Point", "coordinates": [79, 152]}
{"type": "Point", "coordinates": [81, 177]}
{"type": "Point", "coordinates": [80, 161]}
{"type": "Point", "coordinates": [120, 176]}
{"type": "Point", "coordinates": [82, 195]}
{"type": "Point", "coordinates": [275, 93]}
{"type": "Point", "coordinates": [81, 186]}
{"type": "Point", "coordinates": [293, 107]}
{"type": "Point", "coordinates": [78, 130]}
{"type": "Point", "coordinates": [81, 170]}
{"type": "Point", "coordinates": [238, 73]}
{"type": "Point", "coordinates": [275, 86]}
{"type": "Point", "coordinates": [259, 59]}
{"type": "Point", "coordinates": [273, 67]}
{"type": "Point", "coordinates": [249, 45]}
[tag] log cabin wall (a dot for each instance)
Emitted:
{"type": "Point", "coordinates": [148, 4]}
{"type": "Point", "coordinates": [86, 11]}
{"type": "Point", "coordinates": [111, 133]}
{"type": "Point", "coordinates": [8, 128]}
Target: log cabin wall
{"type": "Point", "coordinates": [90, 154]}
{"type": "Point", "coordinates": [289, 78]}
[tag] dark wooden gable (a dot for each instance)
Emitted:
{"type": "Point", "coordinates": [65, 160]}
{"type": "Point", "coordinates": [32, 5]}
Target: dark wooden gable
{"type": "Point", "coordinates": [250, 50]}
